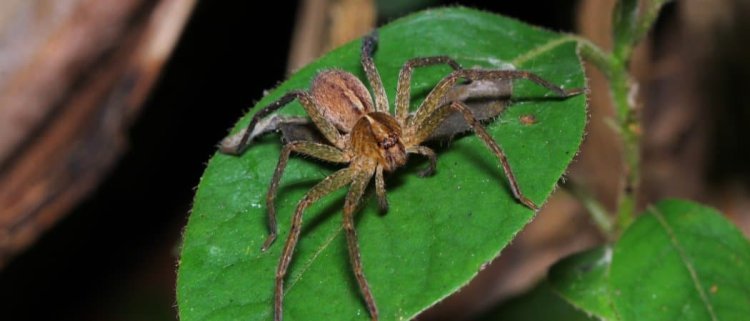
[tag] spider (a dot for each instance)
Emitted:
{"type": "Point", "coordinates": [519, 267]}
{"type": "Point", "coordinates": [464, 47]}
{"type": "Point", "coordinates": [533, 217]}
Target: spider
{"type": "Point", "coordinates": [359, 131]}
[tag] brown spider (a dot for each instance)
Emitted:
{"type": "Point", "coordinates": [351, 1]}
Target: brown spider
{"type": "Point", "coordinates": [370, 140]}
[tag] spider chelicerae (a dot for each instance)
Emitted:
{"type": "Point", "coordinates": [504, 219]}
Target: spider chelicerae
{"type": "Point", "coordinates": [361, 132]}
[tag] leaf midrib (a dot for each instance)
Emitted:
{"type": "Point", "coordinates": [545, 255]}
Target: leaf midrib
{"type": "Point", "coordinates": [685, 260]}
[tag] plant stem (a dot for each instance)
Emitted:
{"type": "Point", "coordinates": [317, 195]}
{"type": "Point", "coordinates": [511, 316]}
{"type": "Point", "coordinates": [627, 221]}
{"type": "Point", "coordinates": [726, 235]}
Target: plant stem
{"type": "Point", "coordinates": [595, 55]}
{"type": "Point", "coordinates": [621, 89]}
{"type": "Point", "coordinates": [626, 126]}
{"type": "Point", "coordinates": [629, 29]}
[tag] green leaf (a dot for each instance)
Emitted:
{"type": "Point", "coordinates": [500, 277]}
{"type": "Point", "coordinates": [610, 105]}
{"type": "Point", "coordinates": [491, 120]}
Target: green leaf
{"type": "Point", "coordinates": [681, 261]}
{"type": "Point", "coordinates": [439, 230]}
{"type": "Point", "coordinates": [678, 261]}
{"type": "Point", "coordinates": [582, 280]}
{"type": "Point", "coordinates": [526, 307]}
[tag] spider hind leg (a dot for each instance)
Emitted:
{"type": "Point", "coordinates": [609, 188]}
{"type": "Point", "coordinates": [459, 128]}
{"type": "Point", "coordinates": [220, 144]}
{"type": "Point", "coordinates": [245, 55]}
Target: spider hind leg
{"type": "Point", "coordinates": [329, 184]}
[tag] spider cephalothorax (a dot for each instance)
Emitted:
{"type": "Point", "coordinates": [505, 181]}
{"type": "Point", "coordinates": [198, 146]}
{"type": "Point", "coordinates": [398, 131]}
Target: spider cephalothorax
{"type": "Point", "coordinates": [359, 131]}
{"type": "Point", "coordinates": [377, 136]}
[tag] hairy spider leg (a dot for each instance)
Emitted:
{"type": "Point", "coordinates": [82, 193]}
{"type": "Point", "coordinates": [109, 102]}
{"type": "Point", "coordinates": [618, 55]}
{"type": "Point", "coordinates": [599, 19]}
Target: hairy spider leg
{"type": "Point", "coordinates": [403, 98]}
{"type": "Point", "coordinates": [369, 44]}
{"type": "Point", "coordinates": [495, 148]}
{"type": "Point", "coordinates": [317, 150]}
{"type": "Point", "coordinates": [432, 102]}
{"type": "Point", "coordinates": [360, 182]}
{"type": "Point", "coordinates": [329, 184]}
{"type": "Point", "coordinates": [426, 119]}
{"type": "Point", "coordinates": [325, 126]}
{"type": "Point", "coordinates": [427, 152]}
{"type": "Point", "coordinates": [444, 111]}
{"type": "Point", "coordinates": [380, 189]}
{"type": "Point", "coordinates": [403, 89]}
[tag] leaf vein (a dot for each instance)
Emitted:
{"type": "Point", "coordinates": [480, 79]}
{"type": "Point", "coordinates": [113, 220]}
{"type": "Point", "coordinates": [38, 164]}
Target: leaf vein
{"type": "Point", "coordinates": [688, 264]}
{"type": "Point", "coordinates": [309, 262]}
{"type": "Point", "coordinates": [539, 50]}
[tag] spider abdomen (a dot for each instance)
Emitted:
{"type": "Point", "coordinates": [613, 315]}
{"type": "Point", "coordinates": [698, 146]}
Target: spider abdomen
{"type": "Point", "coordinates": [378, 136]}
{"type": "Point", "coordinates": [341, 97]}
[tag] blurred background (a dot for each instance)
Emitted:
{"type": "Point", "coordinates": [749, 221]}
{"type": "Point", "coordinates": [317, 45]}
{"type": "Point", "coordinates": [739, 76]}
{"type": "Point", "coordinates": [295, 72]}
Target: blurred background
{"type": "Point", "coordinates": [109, 111]}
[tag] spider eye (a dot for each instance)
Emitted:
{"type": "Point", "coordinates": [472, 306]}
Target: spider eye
{"type": "Point", "coordinates": [388, 142]}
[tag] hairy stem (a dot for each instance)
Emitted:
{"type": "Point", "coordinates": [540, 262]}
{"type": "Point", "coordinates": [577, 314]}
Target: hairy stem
{"type": "Point", "coordinates": [592, 53]}
{"type": "Point", "coordinates": [623, 94]}
{"type": "Point", "coordinates": [626, 125]}
{"type": "Point", "coordinates": [621, 89]}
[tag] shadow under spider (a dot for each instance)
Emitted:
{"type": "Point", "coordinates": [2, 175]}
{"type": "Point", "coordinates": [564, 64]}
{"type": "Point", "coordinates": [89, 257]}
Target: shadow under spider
{"type": "Point", "coordinates": [531, 98]}
{"type": "Point", "coordinates": [315, 216]}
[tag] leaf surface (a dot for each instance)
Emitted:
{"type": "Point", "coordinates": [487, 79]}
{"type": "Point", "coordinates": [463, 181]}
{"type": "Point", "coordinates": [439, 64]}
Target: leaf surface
{"type": "Point", "coordinates": [582, 280]}
{"type": "Point", "coordinates": [681, 261]}
{"type": "Point", "coordinates": [678, 261]}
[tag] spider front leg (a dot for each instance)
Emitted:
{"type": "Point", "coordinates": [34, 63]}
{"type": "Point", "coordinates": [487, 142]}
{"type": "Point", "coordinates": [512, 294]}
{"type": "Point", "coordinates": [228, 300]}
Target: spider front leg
{"type": "Point", "coordinates": [432, 102]}
{"type": "Point", "coordinates": [320, 151]}
{"type": "Point", "coordinates": [495, 148]}
{"type": "Point", "coordinates": [369, 44]}
{"type": "Point", "coordinates": [430, 154]}
{"type": "Point", "coordinates": [326, 186]}
{"type": "Point", "coordinates": [403, 89]}
{"type": "Point", "coordinates": [429, 125]}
